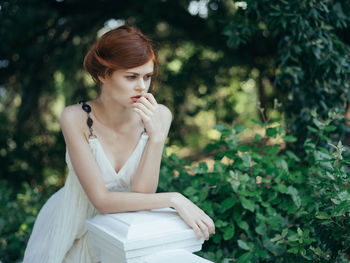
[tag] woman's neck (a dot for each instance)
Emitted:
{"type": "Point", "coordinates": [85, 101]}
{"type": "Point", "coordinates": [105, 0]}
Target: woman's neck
{"type": "Point", "coordinates": [112, 115]}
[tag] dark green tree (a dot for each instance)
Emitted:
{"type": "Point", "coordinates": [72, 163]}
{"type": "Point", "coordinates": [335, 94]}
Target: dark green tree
{"type": "Point", "coordinates": [41, 59]}
{"type": "Point", "coordinates": [312, 56]}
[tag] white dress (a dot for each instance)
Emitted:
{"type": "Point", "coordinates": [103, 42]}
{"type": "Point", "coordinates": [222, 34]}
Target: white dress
{"type": "Point", "coordinates": [59, 233]}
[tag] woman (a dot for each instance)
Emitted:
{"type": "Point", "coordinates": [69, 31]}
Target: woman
{"type": "Point", "coordinates": [114, 148]}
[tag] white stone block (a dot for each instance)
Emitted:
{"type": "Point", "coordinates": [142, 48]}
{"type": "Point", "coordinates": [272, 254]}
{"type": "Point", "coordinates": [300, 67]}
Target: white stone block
{"type": "Point", "coordinates": [130, 237]}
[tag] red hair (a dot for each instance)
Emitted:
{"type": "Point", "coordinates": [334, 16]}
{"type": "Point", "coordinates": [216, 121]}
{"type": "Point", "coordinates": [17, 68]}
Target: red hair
{"type": "Point", "coordinates": [122, 48]}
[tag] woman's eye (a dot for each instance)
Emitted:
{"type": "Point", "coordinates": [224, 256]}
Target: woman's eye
{"type": "Point", "coordinates": [149, 76]}
{"type": "Point", "coordinates": [130, 77]}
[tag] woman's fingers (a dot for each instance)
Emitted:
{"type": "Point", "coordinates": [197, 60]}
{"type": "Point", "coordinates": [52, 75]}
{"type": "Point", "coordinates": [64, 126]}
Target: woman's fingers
{"type": "Point", "coordinates": [143, 108]}
{"type": "Point", "coordinates": [143, 116]}
{"type": "Point", "coordinates": [210, 224]}
{"type": "Point", "coordinates": [196, 230]}
{"type": "Point", "coordinates": [151, 99]}
{"type": "Point", "coordinates": [203, 223]}
{"type": "Point", "coordinates": [195, 217]}
{"type": "Point", "coordinates": [204, 229]}
{"type": "Point", "coordinates": [147, 103]}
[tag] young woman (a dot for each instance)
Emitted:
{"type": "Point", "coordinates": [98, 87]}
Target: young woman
{"type": "Point", "coordinates": [114, 148]}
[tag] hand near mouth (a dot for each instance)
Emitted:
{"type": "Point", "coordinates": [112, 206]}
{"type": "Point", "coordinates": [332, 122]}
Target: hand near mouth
{"type": "Point", "coordinates": [152, 115]}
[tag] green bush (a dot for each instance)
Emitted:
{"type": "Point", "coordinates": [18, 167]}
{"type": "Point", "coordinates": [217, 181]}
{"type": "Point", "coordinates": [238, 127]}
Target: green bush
{"type": "Point", "coordinates": [17, 215]}
{"type": "Point", "coordinates": [269, 205]}
{"type": "Point", "coordinates": [310, 58]}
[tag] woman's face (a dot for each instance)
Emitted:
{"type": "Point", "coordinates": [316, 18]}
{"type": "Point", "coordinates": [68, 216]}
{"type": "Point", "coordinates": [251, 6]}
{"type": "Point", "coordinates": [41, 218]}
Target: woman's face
{"type": "Point", "coordinates": [124, 84]}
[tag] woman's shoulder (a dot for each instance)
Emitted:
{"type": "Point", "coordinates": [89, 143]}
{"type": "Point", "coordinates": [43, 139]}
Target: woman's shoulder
{"type": "Point", "coordinates": [73, 117]}
{"type": "Point", "coordinates": [165, 111]}
{"type": "Point", "coordinates": [73, 114]}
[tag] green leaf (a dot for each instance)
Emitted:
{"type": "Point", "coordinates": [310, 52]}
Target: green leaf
{"type": "Point", "coordinates": [229, 232]}
{"type": "Point", "coordinates": [261, 124]}
{"type": "Point", "coordinates": [243, 225]}
{"type": "Point", "coordinates": [289, 138]}
{"type": "Point", "coordinates": [292, 156]}
{"type": "Point", "coordinates": [280, 163]}
{"type": "Point", "coordinates": [300, 232]}
{"type": "Point", "coordinates": [335, 201]}
{"type": "Point", "coordinates": [322, 215]}
{"type": "Point", "coordinates": [243, 148]}
{"type": "Point", "coordinates": [228, 203]}
{"type": "Point", "coordinates": [311, 129]}
{"type": "Point", "coordinates": [246, 203]}
{"type": "Point", "coordinates": [239, 128]}
{"type": "Point", "coordinates": [293, 238]}
{"type": "Point", "coordinates": [245, 258]}
{"type": "Point", "coordinates": [258, 137]}
{"type": "Point", "coordinates": [271, 211]}
{"type": "Point", "coordinates": [271, 132]}
{"type": "Point", "coordinates": [275, 221]}
{"type": "Point", "coordinates": [203, 194]}
{"type": "Point", "coordinates": [261, 229]}
{"type": "Point", "coordinates": [293, 250]}
{"type": "Point", "coordinates": [220, 223]}
{"type": "Point", "coordinates": [277, 238]}
{"type": "Point", "coordinates": [243, 245]}
{"type": "Point", "coordinates": [274, 248]}
{"type": "Point", "coordinates": [211, 147]}
{"type": "Point", "coordinates": [330, 128]}
{"type": "Point", "coordinates": [247, 160]}
{"type": "Point", "coordinates": [282, 188]}
{"type": "Point", "coordinates": [284, 232]}
{"type": "Point", "coordinates": [280, 129]}
{"type": "Point", "coordinates": [217, 238]}
{"type": "Point", "coordinates": [295, 195]}
{"type": "Point", "coordinates": [221, 128]}
{"type": "Point", "coordinates": [190, 191]}
{"type": "Point", "coordinates": [342, 208]}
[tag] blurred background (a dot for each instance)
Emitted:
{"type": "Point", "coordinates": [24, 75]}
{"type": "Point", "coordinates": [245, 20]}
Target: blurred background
{"type": "Point", "coordinates": [222, 61]}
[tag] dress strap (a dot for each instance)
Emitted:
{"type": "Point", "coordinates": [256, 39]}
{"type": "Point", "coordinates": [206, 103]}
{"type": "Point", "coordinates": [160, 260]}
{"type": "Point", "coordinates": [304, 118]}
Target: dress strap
{"type": "Point", "coordinates": [144, 129]}
{"type": "Point", "coordinates": [89, 121]}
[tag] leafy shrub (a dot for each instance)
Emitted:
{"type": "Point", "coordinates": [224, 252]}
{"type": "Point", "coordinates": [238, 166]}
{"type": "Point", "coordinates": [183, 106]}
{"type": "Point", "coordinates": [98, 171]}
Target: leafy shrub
{"type": "Point", "coordinates": [17, 215]}
{"type": "Point", "coordinates": [311, 60]}
{"type": "Point", "coordinates": [269, 205]}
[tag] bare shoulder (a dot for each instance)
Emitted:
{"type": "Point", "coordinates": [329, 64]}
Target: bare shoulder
{"type": "Point", "coordinates": [72, 114]}
{"type": "Point", "coordinates": [75, 131]}
{"type": "Point", "coordinates": [73, 119]}
{"type": "Point", "coordinates": [166, 113]}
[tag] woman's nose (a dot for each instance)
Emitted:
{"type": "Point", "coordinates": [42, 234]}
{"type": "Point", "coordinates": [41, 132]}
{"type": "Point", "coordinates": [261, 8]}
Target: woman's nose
{"type": "Point", "coordinates": [141, 85]}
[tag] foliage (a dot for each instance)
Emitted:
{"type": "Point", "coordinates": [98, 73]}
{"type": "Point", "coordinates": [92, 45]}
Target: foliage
{"type": "Point", "coordinates": [299, 48]}
{"type": "Point", "coordinates": [41, 71]}
{"type": "Point", "coordinates": [268, 204]}
{"type": "Point", "coordinates": [202, 79]}
{"type": "Point", "coordinates": [312, 62]}
{"type": "Point", "coordinates": [17, 215]}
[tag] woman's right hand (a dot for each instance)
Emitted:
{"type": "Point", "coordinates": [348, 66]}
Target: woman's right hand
{"type": "Point", "coordinates": [195, 217]}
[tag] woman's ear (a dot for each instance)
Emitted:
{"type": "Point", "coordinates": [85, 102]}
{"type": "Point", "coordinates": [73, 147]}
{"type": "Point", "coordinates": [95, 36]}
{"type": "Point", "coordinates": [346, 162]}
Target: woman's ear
{"type": "Point", "coordinates": [102, 79]}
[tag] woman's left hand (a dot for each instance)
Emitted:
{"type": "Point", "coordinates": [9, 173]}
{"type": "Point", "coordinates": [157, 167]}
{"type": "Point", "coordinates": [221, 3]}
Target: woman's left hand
{"type": "Point", "coordinates": [154, 116]}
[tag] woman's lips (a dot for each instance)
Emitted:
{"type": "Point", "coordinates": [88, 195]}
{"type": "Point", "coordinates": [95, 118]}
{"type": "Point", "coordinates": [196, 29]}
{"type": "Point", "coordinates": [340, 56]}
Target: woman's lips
{"type": "Point", "coordinates": [135, 98]}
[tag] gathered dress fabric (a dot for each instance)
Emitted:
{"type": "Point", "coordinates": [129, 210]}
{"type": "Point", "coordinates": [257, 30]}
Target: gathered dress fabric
{"type": "Point", "coordinates": [59, 233]}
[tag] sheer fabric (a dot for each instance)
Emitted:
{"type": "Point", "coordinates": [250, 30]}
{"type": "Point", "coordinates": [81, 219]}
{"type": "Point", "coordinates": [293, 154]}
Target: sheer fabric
{"type": "Point", "coordinates": [59, 233]}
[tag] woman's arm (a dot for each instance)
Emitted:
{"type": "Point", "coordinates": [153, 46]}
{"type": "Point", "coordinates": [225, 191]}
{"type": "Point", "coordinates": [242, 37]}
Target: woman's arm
{"type": "Point", "coordinates": [89, 175]}
{"type": "Point", "coordinates": [146, 177]}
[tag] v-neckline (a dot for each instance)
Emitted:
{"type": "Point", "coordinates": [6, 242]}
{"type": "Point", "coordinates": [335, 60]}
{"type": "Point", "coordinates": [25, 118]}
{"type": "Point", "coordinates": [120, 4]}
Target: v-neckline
{"type": "Point", "coordinates": [127, 160]}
